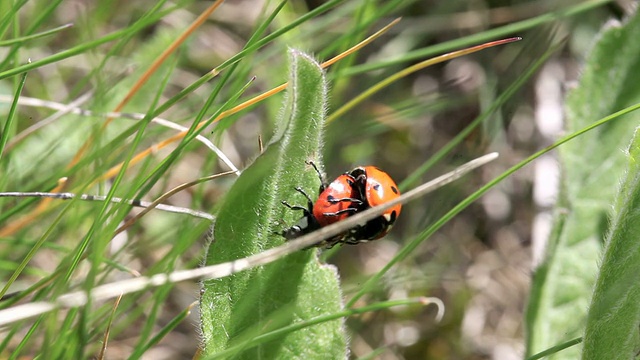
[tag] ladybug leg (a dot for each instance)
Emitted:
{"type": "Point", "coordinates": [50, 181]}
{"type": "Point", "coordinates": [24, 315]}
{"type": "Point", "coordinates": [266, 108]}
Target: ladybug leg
{"type": "Point", "coordinates": [298, 229]}
{"type": "Point", "coordinates": [352, 200]}
{"type": "Point", "coordinates": [295, 207]}
{"type": "Point", "coordinates": [306, 211]}
{"type": "Point", "coordinates": [309, 201]}
{"type": "Point", "coordinates": [323, 182]}
{"type": "Point", "coordinates": [339, 212]}
{"type": "Point", "coordinates": [354, 236]}
{"type": "Point", "coordinates": [354, 241]}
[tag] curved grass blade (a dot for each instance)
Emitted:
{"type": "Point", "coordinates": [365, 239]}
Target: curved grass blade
{"type": "Point", "coordinates": [481, 37]}
{"type": "Point", "coordinates": [23, 39]}
{"type": "Point", "coordinates": [408, 249]}
{"type": "Point", "coordinates": [482, 118]}
{"type": "Point", "coordinates": [411, 69]}
{"type": "Point", "coordinates": [262, 338]}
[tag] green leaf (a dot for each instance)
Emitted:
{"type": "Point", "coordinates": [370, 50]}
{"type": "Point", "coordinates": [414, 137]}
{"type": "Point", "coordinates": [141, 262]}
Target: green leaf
{"type": "Point", "coordinates": [296, 288]}
{"type": "Point", "coordinates": [592, 166]}
{"type": "Point", "coordinates": [614, 314]}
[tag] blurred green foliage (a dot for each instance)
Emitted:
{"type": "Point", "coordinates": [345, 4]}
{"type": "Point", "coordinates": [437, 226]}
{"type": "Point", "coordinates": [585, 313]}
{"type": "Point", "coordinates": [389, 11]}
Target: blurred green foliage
{"type": "Point", "coordinates": [479, 263]}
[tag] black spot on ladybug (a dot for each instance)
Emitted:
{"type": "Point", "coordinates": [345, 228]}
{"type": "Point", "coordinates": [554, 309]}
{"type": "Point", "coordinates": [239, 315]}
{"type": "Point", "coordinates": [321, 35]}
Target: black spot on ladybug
{"type": "Point", "coordinates": [376, 187]}
{"type": "Point", "coordinates": [394, 189]}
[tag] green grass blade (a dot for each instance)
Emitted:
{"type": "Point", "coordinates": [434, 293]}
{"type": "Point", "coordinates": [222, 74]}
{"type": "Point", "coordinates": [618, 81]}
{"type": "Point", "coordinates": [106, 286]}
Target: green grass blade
{"type": "Point", "coordinates": [6, 20]}
{"type": "Point", "coordinates": [592, 167]}
{"type": "Point", "coordinates": [25, 339]}
{"type": "Point", "coordinates": [6, 130]}
{"type": "Point", "coordinates": [140, 350]}
{"type": "Point", "coordinates": [555, 349]}
{"type": "Point", "coordinates": [262, 338]}
{"type": "Point", "coordinates": [33, 25]}
{"type": "Point", "coordinates": [240, 55]}
{"type": "Point", "coordinates": [507, 94]}
{"type": "Point", "coordinates": [499, 32]}
{"type": "Point", "coordinates": [35, 36]}
{"type": "Point", "coordinates": [292, 289]}
{"type": "Point", "coordinates": [32, 252]}
{"type": "Point", "coordinates": [413, 244]}
{"type": "Point", "coordinates": [84, 47]}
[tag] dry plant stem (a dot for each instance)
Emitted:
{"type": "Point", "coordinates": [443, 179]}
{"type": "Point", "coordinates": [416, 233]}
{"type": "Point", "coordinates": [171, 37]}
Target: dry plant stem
{"type": "Point", "coordinates": [64, 109]}
{"type": "Point", "coordinates": [105, 338]}
{"type": "Point", "coordinates": [360, 45]}
{"type": "Point", "coordinates": [165, 196]}
{"type": "Point", "coordinates": [137, 203]}
{"type": "Point", "coordinates": [109, 291]}
{"type": "Point", "coordinates": [27, 219]}
{"type": "Point", "coordinates": [147, 74]}
{"type": "Point", "coordinates": [411, 69]}
{"type": "Point", "coordinates": [19, 224]}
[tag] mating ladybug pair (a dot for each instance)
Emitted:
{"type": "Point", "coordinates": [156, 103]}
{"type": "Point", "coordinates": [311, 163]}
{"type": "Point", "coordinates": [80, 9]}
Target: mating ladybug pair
{"type": "Point", "coordinates": [352, 192]}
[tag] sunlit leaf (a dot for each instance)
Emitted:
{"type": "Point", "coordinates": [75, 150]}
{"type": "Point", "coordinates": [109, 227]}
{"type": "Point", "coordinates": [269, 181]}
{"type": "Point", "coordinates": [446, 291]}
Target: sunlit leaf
{"type": "Point", "coordinates": [237, 308]}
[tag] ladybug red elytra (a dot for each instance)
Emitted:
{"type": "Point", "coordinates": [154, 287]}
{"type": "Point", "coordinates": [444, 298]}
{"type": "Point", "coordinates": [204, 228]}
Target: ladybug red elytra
{"type": "Point", "coordinates": [377, 188]}
{"type": "Point", "coordinates": [354, 191]}
{"type": "Point", "coordinates": [337, 200]}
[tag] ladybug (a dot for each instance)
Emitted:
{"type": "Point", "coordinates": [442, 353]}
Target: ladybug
{"type": "Point", "coordinates": [336, 201]}
{"type": "Point", "coordinates": [377, 188]}
{"type": "Point", "coordinates": [350, 193]}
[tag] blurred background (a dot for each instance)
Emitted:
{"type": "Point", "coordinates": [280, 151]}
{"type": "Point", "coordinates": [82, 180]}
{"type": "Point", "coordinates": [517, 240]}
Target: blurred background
{"type": "Point", "coordinates": [479, 263]}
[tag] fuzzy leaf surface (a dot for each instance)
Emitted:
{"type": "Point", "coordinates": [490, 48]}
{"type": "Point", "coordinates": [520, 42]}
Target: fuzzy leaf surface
{"type": "Point", "coordinates": [237, 308]}
{"type": "Point", "coordinates": [614, 313]}
{"type": "Point", "coordinates": [592, 166]}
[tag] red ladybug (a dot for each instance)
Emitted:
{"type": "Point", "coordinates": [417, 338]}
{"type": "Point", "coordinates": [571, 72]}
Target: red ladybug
{"type": "Point", "coordinates": [337, 201]}
{"type": "Point", "coordinates": [354, 191]}
{"type": "Point", "coordinates": [377, 188]}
